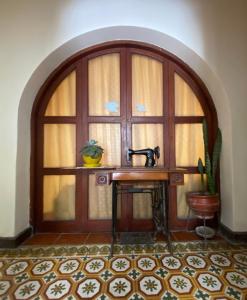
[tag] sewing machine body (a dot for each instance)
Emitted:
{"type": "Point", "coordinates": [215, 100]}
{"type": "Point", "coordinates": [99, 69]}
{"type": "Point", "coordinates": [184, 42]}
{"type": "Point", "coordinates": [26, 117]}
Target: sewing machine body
{"type": "Point", "coordinates": [152, 155]}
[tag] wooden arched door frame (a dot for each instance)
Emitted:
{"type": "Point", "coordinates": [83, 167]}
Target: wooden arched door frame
{"type": "Point", "coordinates": [173, 64]}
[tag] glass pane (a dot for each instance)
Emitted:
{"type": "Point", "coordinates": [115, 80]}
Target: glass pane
{"type": "Point", "coordinates": [59, 145]}
{"type": "Point", "coordinates": [59, 197]}
{"type": "Point", "coordinates": [104, 85]}
{"type": "Point", "coordinates": [108, 137]}
{"type": "Point", "coordinates": [186, 102]}
{"type": "Point", "coordinates": [147, 136]}
{"type": "Point", "coordinates": [100, 200]}
{"type": "Point", "coordinates": [192, 182]}
{"type": "Point", "coordinates": [189, 144]}
{"type": "Point", "coordinates": [62, 102]}
{"type": "Point", "coordinates": [142, 204]}
{"type": "Point", "coordinates": [147, 86]}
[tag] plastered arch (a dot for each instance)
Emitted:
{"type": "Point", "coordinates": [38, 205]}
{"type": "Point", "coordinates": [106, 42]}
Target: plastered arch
{"type": "Point", "coordinates": [52, 61]}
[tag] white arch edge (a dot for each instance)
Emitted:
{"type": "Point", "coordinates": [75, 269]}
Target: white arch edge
{"type": "Point", "coordinates": [85, 40]}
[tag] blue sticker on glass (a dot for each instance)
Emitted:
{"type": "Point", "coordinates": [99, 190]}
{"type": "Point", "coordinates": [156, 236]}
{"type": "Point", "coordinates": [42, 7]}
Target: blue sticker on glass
{"type": "Point", "coordinates": [140, 107]}
{"type": "Point", "coordinates": [112, 106]}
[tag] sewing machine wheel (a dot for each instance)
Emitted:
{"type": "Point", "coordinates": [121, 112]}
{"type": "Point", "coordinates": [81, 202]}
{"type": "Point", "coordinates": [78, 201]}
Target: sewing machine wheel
{"type": "Point", "coordinates": [157, 151]}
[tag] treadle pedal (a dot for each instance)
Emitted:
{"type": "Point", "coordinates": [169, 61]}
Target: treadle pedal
{"type": "Point", "coordinates": [135, 190]}
{"type": "Point", "coordinates": [136, 238]}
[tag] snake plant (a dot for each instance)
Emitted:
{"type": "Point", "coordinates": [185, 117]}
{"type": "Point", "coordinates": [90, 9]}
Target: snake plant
{"type": "Point", "coordinates": [210, 162]}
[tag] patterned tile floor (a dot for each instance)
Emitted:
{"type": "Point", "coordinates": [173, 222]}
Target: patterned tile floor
{"type": "Point", "coordinates": [194, 271]}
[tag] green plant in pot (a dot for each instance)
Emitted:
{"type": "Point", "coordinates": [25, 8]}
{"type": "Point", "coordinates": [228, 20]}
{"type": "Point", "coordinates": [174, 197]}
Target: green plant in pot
{"type": "Point", "coordinates": [92, 154]}
{"type": "Point", "coordinates": [206, 202]}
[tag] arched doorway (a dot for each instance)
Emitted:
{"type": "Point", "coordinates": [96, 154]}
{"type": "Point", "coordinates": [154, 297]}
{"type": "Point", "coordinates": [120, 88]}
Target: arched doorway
{"type": "Point", "coordinates": [123, 94]}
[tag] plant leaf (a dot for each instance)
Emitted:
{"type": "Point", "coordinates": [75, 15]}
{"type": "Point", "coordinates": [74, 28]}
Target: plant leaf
{"type": "Point", "coordinates": [216, 152]}
{"type": "Point", "coordinates": [200, 166]}
{"type": "Point", "coordinates": [211, 184]}
{"type": "Point", "coordinates": [205, 136]}
{"type": "Point", "coordinates": [201, 171]}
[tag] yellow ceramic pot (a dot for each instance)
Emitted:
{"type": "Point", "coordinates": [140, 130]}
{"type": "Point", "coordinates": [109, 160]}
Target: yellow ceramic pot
{"type": "Point", "coordinates": [91, 162]}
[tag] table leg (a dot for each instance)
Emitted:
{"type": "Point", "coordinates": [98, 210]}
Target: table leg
{"type": "Point", "coordinates": [114, 214]}
{"type": "Point", "coordinates": [165, 193]}
{"type": "Point", "coordinates": [188, 219]}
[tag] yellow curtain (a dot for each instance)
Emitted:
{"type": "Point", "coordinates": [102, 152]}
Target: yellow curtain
{"type": "Point", "coordinates": [104, 85]}
{"type": "Point", "coordinates": [189, 144]}
{"type": "Point", "coordinates": [108, 137]}
{"type": "Point", "coordinates": [63, 100]}
{"type": "Point", "coordinates": [59, 197]}
{"type": "Point", "coordinates": [147, 86]}
{"type": "Point", "coordinates": [186, 102]}
{"type": "Point", "coordinates": [59, 145]}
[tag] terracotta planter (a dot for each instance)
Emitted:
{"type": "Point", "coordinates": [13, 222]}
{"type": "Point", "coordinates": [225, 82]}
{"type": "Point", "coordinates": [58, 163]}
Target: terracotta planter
{"type": "Point", "coordinates": [202, 204]}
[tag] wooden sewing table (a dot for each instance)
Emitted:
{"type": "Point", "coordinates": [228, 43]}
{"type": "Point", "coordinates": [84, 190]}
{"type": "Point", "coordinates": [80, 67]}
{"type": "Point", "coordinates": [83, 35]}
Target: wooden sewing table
{"type": "Point", "coordinates": [162, 178]}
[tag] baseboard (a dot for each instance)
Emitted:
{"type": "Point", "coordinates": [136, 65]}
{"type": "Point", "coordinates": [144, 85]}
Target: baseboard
{"type": "Point", "coordinates": [13, 242]}
{"type": "Point", "coordinates": [233, 236]}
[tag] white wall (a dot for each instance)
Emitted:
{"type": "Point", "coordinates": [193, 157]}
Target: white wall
{"type": "Point", "coordinates": [35, 36]}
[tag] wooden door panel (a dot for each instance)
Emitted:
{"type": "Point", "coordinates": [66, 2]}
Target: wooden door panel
{"type": "Point", "coordinates": [147, 86]}
{"type": "Point", "coordinates": [104, 85]}
{"type": "Point", "coordinates": [124, 96]}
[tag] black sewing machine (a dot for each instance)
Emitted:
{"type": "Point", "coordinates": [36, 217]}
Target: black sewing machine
{"type": "Point", "coordinates": [152, 155]}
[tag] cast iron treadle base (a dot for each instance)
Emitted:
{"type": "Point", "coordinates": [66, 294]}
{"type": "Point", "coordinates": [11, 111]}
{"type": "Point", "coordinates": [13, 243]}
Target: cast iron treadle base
{"type": "Point", "coordinates": [136, 238]}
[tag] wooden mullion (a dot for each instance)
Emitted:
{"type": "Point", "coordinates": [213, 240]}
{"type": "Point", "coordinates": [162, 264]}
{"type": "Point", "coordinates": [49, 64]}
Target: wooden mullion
{"type": "Point", "coordinates": [127, 134]}
{"type": "Point", "coordinates": [68, 226]}
{"type": "Point", "coordinates": [104, 119]}
{"type": "Point", "coordinates": [38, 202]}
{"type": "Point", "coordinates": [165, 88]}
{"type": "Point", "coordinates": [70, 171]}
{"type": "Point", "coordinates": [188, 119]}
{"type": "Point", "coordinates": [79, 136]}
{"type": "Point", "coordinates": [171, 113]}
{"type": "Point", "coordinates": [83, 138]}
{"type": "Point", "coordinates": [105, 52]}
{"type": "Point", "coordinates": [59, 171]}
{"type": "Point", "coordinates": [126, 200]}
{"type": "Point", "coordinates": [147, 53]}
{"type": "Point", "coordinates": [166, 140]}
{"type": "Point", "coordinates": [84, 200]}
{"type": "Point", "coordinates": [84, 104]}
{"type": "Point", "coordinates": [79, 108]}
{"type": "Point", "coordinates": [172, 149]}
{"type": "Point", "coordinates": [125, 103]}
{"type": "Point", "coordinates": [58, 120]}
{"type": "Point", "coordinates": [148, 120]}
